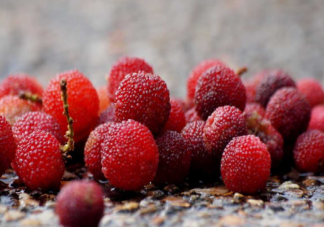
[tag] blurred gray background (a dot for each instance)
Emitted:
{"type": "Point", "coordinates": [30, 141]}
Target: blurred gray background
{"type": "Point", "coordinates": [43, 38]}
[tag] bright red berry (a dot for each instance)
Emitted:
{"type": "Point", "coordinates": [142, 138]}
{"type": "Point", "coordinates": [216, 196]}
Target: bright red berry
{"type": "Point", "coordinates": [174, 158]}
{"type": "Point", "coordinates": [33, 121]}
{"type": "Point", "coordinates": [182, 103]}
{"type": "Point", "coordinates": [245, 165]}
{"type": "Point", "coordinates": [219, 86]}
{"type": "Point", "coordinates": [12, 107]}
{"type": "Point", "coordinates": [254, 107]}
{"type": "Point", "coordinates": [130, 156]}
{"type": "Point", "coordinates": [273, 81]}
{"type": "Point", "coordinates": [123, 67]}
{"type": "Point", "coordinates": [317, 118]}
{"type": "Point", "coordinates": [38, 161]}
{"type": "Point", "coordinates": [177, 119]}
{"type": "Point", "coordinates": [18, 83]}
{"type": "Point", "coordinates": [192, 115]}
{"type": "Point", "coordinates": [107, 116]}
{"type": "Point", "coordinates": [309, 152]}
{"type": "Point", "coordinates": [103, 98]}
{"type": "Point", "coordinates": [145, 98]}
{"type": "Point", "coordinates": [80, 203]}
{"type": "Point", "coordinates": [289, 112]}
{"type": "Point", "coordinates": [312, 90]}
{"type": "Point", "coordinates": [196, 74]}
{"type": "Point", "coordinates": [7, 145]}
{"type": "Point", "coordinates": [83, 103]}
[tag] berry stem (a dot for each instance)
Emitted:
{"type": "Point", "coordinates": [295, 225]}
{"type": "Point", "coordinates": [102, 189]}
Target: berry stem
{"type": "Point", "coordinates": [241, 71]}
{"type": "Point", "coordinates": [69, 146]}
{"type": "Point", "coordinates": [31, 97]}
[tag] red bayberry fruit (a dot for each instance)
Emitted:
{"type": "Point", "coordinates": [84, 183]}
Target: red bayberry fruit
{"type": "Point", "coordinates": [130, 156]}
{"type": "Point", "coordinates": [33, 121]}
{"type": "Point", "coordinates": [245, 165]}
{"type": "Point", "coordinates": [252, 84]}
{"type": "Point", "coordinates": [221, 127]}
{"type": "Point", "coordinates": [103, 98]}
{"type": "Point", "coordinates": [174, 158]}
{"type": "Point", "coordinates": [177, 120]}
{"type": "Point", "coordinates": [191, 115]}
{"type": "Point", "coordinates": [182, 103]}
{"type": "Point", "coordinates": [80, 203]}
{"type": "Point", "coordinates": [20, 83]}
{"type": "Point", "coordinates": [144, 98]}
{"type": "Point", "coordinates": [195, 74]}
{"type": "Point", "coordinates": [254, 107]}
{"type": "Point", "coordinates": [312, 90]}
{"type": "Point", "coordinates": [317, 118]}
{"type": "Point", "coordinates": [289, 112]}
{"type": "Point", "coordinates": [38, 161]}
{"type": "Point", "coordinates": [7, 145]}
{"type": "Point", "coordinates": [123, 67]}
{"type": "Point", "coordinates": [309, 152]}
{"type": "Point", "coordinates": [219, 86]}
{"type": "Point", "coordinates": [83, 103]}
{"type": "Point", "coordinates": [12, 107]}
{"type": "Point", "coordinates": [107, 116]}
{"type": "Point", "coordinates": [273, 81]}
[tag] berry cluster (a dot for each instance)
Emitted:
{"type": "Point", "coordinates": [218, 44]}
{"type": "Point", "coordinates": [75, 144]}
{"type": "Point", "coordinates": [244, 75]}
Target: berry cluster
{"type": "Point", "coordinates": [134, 133]}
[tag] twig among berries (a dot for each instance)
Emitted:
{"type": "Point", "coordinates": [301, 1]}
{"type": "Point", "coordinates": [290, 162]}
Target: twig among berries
{"type": "Point", "coordinates": [241, 71]}
{"type": "Point", "coordinates": [31, 97]}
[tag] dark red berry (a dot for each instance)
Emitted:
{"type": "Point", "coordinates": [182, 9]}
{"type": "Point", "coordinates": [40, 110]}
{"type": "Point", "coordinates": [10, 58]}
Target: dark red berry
{"type": "Point", "coordinates": [312, 90]}
{"type": "Point", "coordinates": [273, 81]}
{"type": "Point", "coordinates": [123, 67]}
{"type": "Point", "coordinates": [130, 156]}
{"type": "Point", "coordinates": [145, 98]}
{"type": "Point", "coordinates": [245, 165]}
{"type": "Point", "coordinates": [251, 85]}
{"type": "Point", "coordinates": [309, 152]}
{"type": "Point", "coordinates": [317, 118]}
{"type": "Point", "coordinates": [289, 112]}
{"type": "Point", "coordinates": [219, 86]}
{"type": "Point", "coordinates": [177, 120]}
{"type": "Point", "coordinates": [107, 116]}
{"type": "Point", "coordinates": [254, 107]}
{"type": "Point", "coordinates": [38, 161]}
{"type": "Point", "coordinates": [174, 158]}
{"type": "Point", "coordinates": [7, 145]}
{"type": "Point", "coordinates": [83, 103]}
{"type": "Point", "coordinates": [80, 204]}
{"type": "Point", "coordinates": [103, 98]}
{"type": "Point", "coordinates": [192, 115]}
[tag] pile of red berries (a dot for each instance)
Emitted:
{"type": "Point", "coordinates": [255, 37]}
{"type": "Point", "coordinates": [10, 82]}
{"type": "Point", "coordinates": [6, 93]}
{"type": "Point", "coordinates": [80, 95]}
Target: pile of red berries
{"type": "Point", "coordinates": [136, 134]}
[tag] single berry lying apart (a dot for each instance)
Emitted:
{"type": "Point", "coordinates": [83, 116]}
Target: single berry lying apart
{"type": "Point", "coordinates": [174, 158]}
{"type": "Point", "coordinates": [83, 103]}
{"type": "Point", "coordinates": [103, 98]}
{"type": "Point", "coordinates": [192, 115]}
{"type": "Point", "coordinates": [177, 119]}
{"type": "Point", "coordinates": [289, 112]}
{"type": "Point", "coordinates": [20, 83]}
{"type": "Point", "coordinates": [219, 86]}
{"type": "Point", "coordinates": [245, 165]}
{"type": "Point", "coordinates": [130, 156]}
{"type": "Point", "coordinates": [123, 67]}
{"type": "Point", "coordinates": [80, 204]}
{"type": "Point", "coordinates": [7, 145]}
{"type": "Point", "coordinates": [317, 118]}
{"type": "Point", "coordinates": [145, 98]}
{"type": "Point", "coordinates": [312, 90]}
{"type": "Point", "coordinates": [273, 81]}
{"type": "Point", "coordinates": [309, 152]}
{"type": "Point", "coordinates": [107, 116]}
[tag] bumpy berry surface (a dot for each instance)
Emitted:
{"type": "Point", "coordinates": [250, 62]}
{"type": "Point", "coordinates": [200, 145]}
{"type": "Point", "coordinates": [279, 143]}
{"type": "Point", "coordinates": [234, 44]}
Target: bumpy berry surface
{"type": "Point", "coordinates": [123, 67]}
{"type": "Point", "coordinates": [273, 81]}
{"type": "Point", "coordinates": [317, 118]}
{"type": "Point", "coordinates": [103, 98]}
{"type": "Point", "coordinates": [144, 98]}
{"type": "Point", "coordinates": [219, 86]}
{"type": "Point", "coordinates": [221, 127]}
{"type": "Point", "coordinates": [254, 107]}
{"type": "Point", "coordinates": [192, 115]}
{"type": "Point", "coordinates": [82, 99]}
{"type": "Point", "coordinates": [12, 107]}
{"type": "Point", "coordinates": [130, 157]}
{"type": "Point", "coordinates": [182, 103]}
{"type": "Point", "coordinates": [252, 84]}
{"type": "Point", "coordinates": [92, 149]}
{"type": "Point", "coordinates": [312, 90]}
{"type": "Point", "coordinates": [38, 161]}
{"type": "Point", "coordinates": [289, 112]}
{"type": "Point", "coordinates": [7, 145]}
{"type": "Point", "coordinates": [17, 83]}
{"type": "Point", "coordinates": [33, 121]}
{"type": "Point", "coordinates": [174, 158]}
{"type": "Point", "coordinates": [107, 116]}
{"type": "Point", "coordinates": [309, 152]}
{"type": "Point", "coordinates": [196, 74]}
{"type": "Point", "coordinates": [80, 204]}
{"type": "Point", "coordinates": [201, 160]}
{"type": "Point", "coordinates": [177, 119]}
{"type": "Point", "coordinates": [245, 165]}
